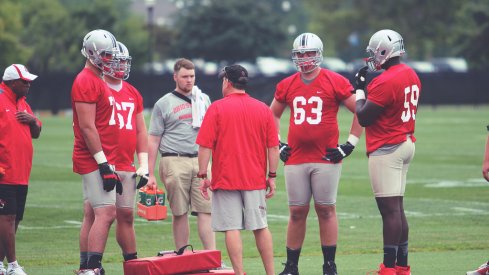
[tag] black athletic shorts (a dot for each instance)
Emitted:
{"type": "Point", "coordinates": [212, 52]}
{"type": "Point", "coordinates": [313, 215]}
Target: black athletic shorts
{"type": "Point", "coordinates": [12, 200]}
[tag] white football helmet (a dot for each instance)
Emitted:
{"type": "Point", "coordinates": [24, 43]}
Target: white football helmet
{"type": "Point", "coordinates": [122, 64]}
{"type": "Point", "coordinates": [382, 46]}
{"type": "Point", "coordinates": [100, 47]}
{"type": "Point", "coordinates": [311, 44]}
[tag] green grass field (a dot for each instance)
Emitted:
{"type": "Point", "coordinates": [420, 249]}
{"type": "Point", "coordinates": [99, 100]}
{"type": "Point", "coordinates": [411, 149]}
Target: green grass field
{"type": "Point", "coordinates": [447, 203]}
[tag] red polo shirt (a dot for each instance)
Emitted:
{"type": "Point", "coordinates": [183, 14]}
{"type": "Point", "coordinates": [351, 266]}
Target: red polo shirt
{"type": "Point", "coordinates": [239, 129]}
{"type": "Point", "coordinates": [15, 139]}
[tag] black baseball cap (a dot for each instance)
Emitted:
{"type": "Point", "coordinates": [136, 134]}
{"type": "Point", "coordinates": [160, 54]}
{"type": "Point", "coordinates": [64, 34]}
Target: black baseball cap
{"type": "Point", "coordinates": [234, 73]}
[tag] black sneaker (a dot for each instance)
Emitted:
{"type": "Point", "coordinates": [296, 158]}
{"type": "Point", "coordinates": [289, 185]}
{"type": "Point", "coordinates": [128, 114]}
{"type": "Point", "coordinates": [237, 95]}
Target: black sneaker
{"type": "Point", "coordinates": [329, 268]}
{"type": "Point", "coordinates": [290, 269]}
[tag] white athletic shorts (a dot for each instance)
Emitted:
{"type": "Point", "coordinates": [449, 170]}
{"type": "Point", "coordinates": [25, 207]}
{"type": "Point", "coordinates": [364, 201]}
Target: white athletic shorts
{"type": "Point", "coordinates": [388, 172]}
{"type": "Point", "coordinates": [317, 180]}
{"type": "Point", "coordinates": [128, 197]}
{"type": "Point", "coordinates": [93, 190]}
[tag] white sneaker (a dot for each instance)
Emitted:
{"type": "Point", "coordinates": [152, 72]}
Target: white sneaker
{"type": "Point", "coordinates": [3, 271]}
{"type": "Point", "coordinates": [18, 270]}
{"type": "Point", "coordinates": [482, 270]}
{"type": "Point", "coordinates": [223, 267]}
{"type": "Point", "coordinates": [95, 271]}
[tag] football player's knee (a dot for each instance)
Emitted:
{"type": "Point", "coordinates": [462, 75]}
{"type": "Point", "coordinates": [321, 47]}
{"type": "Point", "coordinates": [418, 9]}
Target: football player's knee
{"type": "Point", "coordinates": [299, 214]}
{"type": "Point", "coordinates": [326, 211]}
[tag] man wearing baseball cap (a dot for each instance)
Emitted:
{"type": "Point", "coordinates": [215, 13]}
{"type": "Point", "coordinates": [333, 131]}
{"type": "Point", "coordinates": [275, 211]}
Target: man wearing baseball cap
{"type": "Point", "coordinates": [18, 126]}
{"type": "Point", "coordinates": [239, 134]}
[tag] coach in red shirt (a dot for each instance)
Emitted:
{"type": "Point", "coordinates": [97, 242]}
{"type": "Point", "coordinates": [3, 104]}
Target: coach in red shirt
{"type": "Point", "coordinates": [240, 134]}
{"type": "Point", "coordinates": [18, 126]}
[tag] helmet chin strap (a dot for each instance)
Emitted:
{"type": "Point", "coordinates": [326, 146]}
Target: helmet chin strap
{"type": "Point", "coordinates": [308, 71]}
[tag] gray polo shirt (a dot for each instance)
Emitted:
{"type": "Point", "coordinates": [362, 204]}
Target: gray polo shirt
{"type": "Point", "coordinates": [172, 120]}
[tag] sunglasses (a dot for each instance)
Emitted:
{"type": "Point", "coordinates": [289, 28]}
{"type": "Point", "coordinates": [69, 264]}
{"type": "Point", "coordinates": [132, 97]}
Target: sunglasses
{"type": "Point", "coordinates": [24, 81]}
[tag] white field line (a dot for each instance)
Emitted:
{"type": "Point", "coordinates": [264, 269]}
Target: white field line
{"type": "Point", "coordinates": [456, 211]}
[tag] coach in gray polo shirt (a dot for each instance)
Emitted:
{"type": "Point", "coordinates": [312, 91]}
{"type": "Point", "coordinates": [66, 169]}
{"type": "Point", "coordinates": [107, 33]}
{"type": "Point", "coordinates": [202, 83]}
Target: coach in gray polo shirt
{"type": "Point", "coordinates": [173, 128]}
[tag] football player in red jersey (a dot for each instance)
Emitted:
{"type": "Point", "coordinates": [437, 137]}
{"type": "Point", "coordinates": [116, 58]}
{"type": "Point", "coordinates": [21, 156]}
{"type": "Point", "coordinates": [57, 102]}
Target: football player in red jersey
{"type": "Point", "coordinates": [133, 134]}
{"type": "Point", "coordinates": [95, 148]}
{"type": "Point", "coordinates": [312, 156]}
{"type": "Point", "coordinates": [388, 114]}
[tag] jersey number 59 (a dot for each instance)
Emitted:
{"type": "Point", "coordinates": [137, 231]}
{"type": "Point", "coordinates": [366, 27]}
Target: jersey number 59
{"type": "Point", "coordinates": [411, 95]}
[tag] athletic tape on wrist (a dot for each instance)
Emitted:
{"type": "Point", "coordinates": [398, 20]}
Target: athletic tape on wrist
{"type": "Point", "coordinates": [353, 139]}
{"type": "Point", "coordinates": [100, 157]}
{"type": "Point", "coordinates": [360, 94]}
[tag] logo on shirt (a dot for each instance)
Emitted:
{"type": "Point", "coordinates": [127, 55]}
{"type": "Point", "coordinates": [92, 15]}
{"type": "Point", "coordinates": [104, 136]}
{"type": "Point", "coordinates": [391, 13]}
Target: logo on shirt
{"type": "Point", "coordinates": [2, 203]}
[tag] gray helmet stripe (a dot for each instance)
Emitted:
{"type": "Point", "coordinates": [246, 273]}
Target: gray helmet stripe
{"type": "Point", "coordinates": [303, 40]}
{"type": "Point", "coordinates": [114, 42]}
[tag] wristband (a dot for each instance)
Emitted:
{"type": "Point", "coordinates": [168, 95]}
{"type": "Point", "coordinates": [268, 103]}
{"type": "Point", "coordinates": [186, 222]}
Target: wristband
{"type": "Point", "coordinates": [353, 139]}
{"type": "Point", "coordinates": [202, 176]}
{"type": "Point", "coordinates": [272, 174]}
{"type": "Point", "coordinates": [100, 157]}
{"type": "Point", "coordinates": [487, 128]}
{"type": "Point", "coordinates": [360, 94]}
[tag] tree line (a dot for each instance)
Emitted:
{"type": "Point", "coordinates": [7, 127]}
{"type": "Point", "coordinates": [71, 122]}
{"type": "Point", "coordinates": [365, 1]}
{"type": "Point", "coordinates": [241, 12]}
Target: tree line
{"type": "Point", "coordinates": [47, 34]}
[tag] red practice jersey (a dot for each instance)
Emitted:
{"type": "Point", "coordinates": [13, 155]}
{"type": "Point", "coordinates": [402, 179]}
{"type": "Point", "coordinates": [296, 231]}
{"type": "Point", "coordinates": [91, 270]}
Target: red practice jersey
{"type": "Point", "coordinates": [397, 90]}
{"type": "Point", "coordinates": [239, 129]}
{"type": "Point", "coordinates": [313, 125]}
{"type": "Point", "coordinates": [90, 88]}
{"type": "Point", "coordinates": [129, 103]}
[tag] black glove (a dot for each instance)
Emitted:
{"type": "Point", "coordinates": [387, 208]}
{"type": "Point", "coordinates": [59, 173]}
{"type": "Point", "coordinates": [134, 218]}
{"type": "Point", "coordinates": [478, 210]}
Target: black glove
{"type": "Point", "coordinates": [335, 155]}
{"type": "Point", "coordinates": [143, 180]}
{"type": "Point", "coordinates": [360, 80]}
{"type": "Point", "coordinates": [110, 178]}
{"type": "Point", "coordinates": [284, 150]}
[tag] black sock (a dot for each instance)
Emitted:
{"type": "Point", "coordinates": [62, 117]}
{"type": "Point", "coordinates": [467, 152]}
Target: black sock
{"type": "Point", "coordinates": [83, 260]}
{"type": "Point", "coordinates": [130, 256]}
{"type": "Point", "coordinates": [329, 253]}
{"type": "Point", "coordinates": [390, 254]}
{"type": "Point", "coordinates": [293, 255]}
{"type": "Point", "coordinates": [94, 260]}
{"type": "Point", "coordinates": [402, 254]}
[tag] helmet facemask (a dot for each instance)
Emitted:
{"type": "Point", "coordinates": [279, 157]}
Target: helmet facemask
{"type": "Point", "coordinates": [122, 65]}
{"type": "Point", "coordinates": [307, 61]}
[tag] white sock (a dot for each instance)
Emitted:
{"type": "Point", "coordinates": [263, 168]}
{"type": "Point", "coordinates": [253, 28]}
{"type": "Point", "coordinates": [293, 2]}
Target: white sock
{"type": "Point", "coordinates": [13, 265]}
{"type": "Point", "coordinates": [1, 265]}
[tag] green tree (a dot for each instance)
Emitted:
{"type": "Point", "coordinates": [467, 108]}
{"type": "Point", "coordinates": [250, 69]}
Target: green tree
{"type": "Point", "coordinates": [426, 26]}
{"type": "Point", "coordinates": [12, 50]}
{"type": "Point", "coordinates": [472, 33]}
{"type": "Point", "coordinates": [53, 30]}
{"type": "Point", "coordinates": [231, 30]}
{"type": "Point", "coordinates": [52, 36]}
